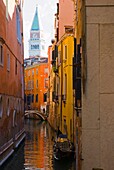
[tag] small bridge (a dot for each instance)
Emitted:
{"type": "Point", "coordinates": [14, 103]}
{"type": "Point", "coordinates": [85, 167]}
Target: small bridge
{"type": "Point", "coordinates": [36, 112]}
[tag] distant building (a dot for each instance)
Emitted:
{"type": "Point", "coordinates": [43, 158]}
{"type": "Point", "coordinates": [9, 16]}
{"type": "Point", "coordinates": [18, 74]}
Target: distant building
{"type": "Point", "coordinates": [36, 41]}
{"type": "Point", "coordinates": [11, 78]}
{"type": "Point", "coordinates": [36, 68]}
{"type": "Point", "coordinates": [36, 85]}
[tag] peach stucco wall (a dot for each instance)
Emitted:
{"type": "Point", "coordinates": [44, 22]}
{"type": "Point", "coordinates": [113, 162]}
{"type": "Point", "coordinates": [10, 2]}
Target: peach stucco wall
{"type": "Point", "coordinates": [66, 15]}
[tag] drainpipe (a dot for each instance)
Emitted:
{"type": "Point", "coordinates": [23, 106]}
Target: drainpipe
{"type": "Point", "coordinates": [74, 88]}
{"type": "Point", "coordinates": [61, 81]}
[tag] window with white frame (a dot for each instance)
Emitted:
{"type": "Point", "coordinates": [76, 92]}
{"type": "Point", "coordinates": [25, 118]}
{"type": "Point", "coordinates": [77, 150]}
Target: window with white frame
{"type": "Point", "coordinates": [1, 54]}
{"type": "Point", "coordinates": [8, 62]}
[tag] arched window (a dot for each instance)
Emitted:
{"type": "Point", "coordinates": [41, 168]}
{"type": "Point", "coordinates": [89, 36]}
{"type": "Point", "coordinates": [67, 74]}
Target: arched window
{"type": "Point", "coordinates": [8, 107]}
{"type": "Point", "coordinates": [1, 106]}
{"type": "Point", "coordinates": [14, 118]}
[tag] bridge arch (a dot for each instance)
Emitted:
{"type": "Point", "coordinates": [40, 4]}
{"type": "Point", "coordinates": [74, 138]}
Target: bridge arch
{"type": "Point", "coordinates": [36, 112]}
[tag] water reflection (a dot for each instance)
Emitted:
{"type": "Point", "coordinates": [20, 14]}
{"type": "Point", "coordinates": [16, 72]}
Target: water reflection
{"type": "Point", "coordinates": [36, 152]}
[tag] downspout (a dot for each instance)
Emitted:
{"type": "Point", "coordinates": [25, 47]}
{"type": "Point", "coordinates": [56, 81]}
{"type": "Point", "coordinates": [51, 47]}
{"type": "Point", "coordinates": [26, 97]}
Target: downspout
{"type": "Point", "coordinates": [74, 88]}
{"type": "Point", "coordinates": [61, 81]}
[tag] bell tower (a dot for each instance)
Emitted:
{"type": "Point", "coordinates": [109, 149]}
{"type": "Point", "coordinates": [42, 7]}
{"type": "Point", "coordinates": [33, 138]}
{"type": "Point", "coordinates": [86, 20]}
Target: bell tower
{"type": "Point", "coordinates": [36, 41]}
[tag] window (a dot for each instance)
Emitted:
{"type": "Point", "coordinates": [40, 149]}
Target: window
{"type": "Point", "coordinates": [29, 73]}
{"type": "Point", "coordinates": [59, 58]}
{"type": "Point", "coordinates": [34, 47]}
{"type": "Point", "coordinates": [8, 62]}
{"type": "Point", "coordinates": [71, 128]}
{"type": "Point", "coordinates": [25, 98]}
{"type": "Point", "coordinates": [18, 25]}
{"type": "Point", "coordinates": [8, 107]}
{"type": "Point", "coordinates": [1, 55]}
{"type": "Point", "coordinates": [20, 106]}
{"type": "Point", "coordinates": [1, 106]}
{"type": "Point", "coordinates": [37, 71]}
{"type": "Point", "coordinates": [65, 84]}
{"type": "Point", "coordinates": [7, 9]}
{"type": "Point", "coordinates": [32, 98]}
{"type": "Point", "coordinates": [45, 97]}
{"type": "Point", "coordinates": [46, 70]}
{"type": "Point", "coordinates": [15, 66]}
{"type": "Point", "coordinates": [25, 74]}
{"type": "Point", "coordinates": [36, 83]}
{"type": "Point", "coordinates": [32, 72]}
{"type": "Point", "coordinates": [46, 83]}
{"type": "Point", "coordinates": [36, 97]}
{"type": "Point", "coordinates": [29, 85]}
{"type": "Point", "coordinates": [43, 47]}
{"type": "Point", "coordinates": [65, 87]}
{"type": "Point", "coordinates": [32, 84]}
{"type": "Point", "coordinates": [65, 52]}
{"type": "Point", "coordinates": [25, 85]}
{"type": "Point", "coordinates": [14, 117]}
{"type": "Point", "coordinates": [65, 125]}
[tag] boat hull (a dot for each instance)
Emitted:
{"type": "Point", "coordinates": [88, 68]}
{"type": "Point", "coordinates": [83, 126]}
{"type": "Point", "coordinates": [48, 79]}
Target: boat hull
{"type": "Point", "coordinates": [61, 155]}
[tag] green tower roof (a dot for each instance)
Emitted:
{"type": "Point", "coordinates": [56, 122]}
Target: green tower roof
{"type": "Point", "coordinates": [35, 23]}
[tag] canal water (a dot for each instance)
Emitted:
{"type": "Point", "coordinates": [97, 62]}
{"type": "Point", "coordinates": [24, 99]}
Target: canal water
{"type": "Point", "coordinates": [36, 152]}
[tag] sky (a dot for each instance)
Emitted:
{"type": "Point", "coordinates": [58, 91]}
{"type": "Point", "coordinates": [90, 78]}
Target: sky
{"type": "Point", "coordinates": [47, 9]}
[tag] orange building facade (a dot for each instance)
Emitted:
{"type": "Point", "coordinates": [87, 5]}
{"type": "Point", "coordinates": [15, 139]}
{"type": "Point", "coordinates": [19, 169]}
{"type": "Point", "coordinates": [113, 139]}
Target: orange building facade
{"type": "Point", "coordinates": [36, 85]}
{"type": "Point", "coordinates": [11, 78]}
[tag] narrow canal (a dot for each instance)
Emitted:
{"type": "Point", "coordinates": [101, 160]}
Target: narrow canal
{"type": "Point", "coordinates": [36, 152]}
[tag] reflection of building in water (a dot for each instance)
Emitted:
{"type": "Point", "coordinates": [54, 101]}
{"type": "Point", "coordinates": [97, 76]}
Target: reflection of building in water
{"type": "Point", "coordinates": [48, 147]}
{"type": "Point", "coordinates": [40, 160]}
{"type": "Point", "coordinates": [35, 148]}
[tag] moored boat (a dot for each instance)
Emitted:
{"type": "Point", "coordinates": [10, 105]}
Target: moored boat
{"type": "Point", "coordinates": [63, 148]}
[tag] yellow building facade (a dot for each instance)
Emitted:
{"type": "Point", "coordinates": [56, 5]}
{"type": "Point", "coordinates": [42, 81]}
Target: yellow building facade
{"type": "Point", "coordinates": [64, 84]}
{"type": "Point", "coordinates": [50, 100]}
